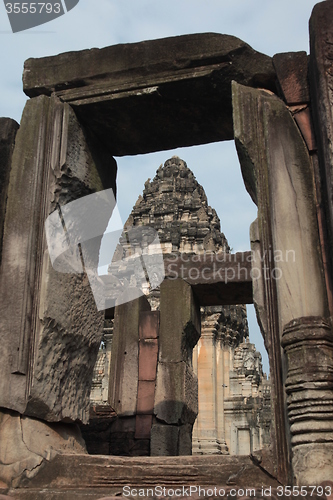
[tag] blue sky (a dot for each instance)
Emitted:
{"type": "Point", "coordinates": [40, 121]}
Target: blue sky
{"type": "Point", "coordinates": [269, 26]}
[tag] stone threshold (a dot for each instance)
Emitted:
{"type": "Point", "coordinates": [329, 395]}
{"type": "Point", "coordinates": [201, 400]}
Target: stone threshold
{"type": "Point", "coordinates": [74, 477]}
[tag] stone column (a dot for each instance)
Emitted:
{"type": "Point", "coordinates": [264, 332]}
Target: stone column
{"type": "Point", "coordinates": [176, 396]}
{"type": "Point", "coordinates": [278, 174]}
{"type": "Point", "coordinates": [227, 354]}
{"type": "Point", "coordinates": [209, 370]}
{"type": "Point", "coordinates": [47, 361]}
{"type": "Point", "coordinates": [124, 381]}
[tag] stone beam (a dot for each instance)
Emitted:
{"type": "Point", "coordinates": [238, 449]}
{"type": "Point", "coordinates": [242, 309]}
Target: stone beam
{"type": "Point", "coordinates": [216, 279]}
{"type": "Point", "coordinates": [130, 94]}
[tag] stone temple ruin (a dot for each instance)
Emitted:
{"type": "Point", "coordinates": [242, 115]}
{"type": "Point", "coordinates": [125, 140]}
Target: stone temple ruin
{"type": "Point", "coordinates": [234, 397]}
{"type": "Point", "coordinates": [87, 107]}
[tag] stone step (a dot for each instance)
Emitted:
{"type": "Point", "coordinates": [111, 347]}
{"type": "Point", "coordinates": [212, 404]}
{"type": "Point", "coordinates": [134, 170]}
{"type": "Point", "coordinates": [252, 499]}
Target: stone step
{"type": "Point", "coordinates": [74, 477]}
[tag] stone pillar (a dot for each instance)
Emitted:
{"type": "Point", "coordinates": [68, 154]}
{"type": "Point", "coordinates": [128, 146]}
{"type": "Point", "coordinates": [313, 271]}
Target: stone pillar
{"type": "Point", "coordinates": [8, 130]}
{"type": "Point", "coordinates": [209, 439]}
{"type": "Point", "coordinates": [278, 174]}
{"type": "Point", "coordinates": [308, 344]}
{"type": "Point", "coordinates": [124, 375]}
{"type": "Point", "coordinates": [176, 397]}
{"type": "Point", "coordinates": [321, 85]}
{"type": "Point", "coordinates": [47, 362]}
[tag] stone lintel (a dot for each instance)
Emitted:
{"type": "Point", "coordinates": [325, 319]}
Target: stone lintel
{"type": "Point", "coordinates": [125, 63]}
{"type": "Point", "coordinates": [215, 278]}
{"type": "Point", "coordinates": [112, 89]}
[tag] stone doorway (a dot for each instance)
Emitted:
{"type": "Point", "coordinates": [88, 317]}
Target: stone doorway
{"type": "Point", "coordinates": [228, 367]}
{"type": "Point", "coordinates": [94, 104]}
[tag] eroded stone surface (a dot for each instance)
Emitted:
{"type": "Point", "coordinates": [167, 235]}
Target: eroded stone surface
{"type": "Point", "coordinates": [292, 72]}
{"type": "Point", "coordinates": [48, 359]}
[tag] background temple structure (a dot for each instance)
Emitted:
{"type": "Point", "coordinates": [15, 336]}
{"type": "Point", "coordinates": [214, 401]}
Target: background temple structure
{"type": "Point", "coordinates": [233, 393]}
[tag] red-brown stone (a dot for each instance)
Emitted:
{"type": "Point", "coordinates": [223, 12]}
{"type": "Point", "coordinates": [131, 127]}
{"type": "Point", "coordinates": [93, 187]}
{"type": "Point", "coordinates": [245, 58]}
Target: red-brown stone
{"type": "Point", "coordinates": [146, 393]}
{"type": "Point", "coordinates": [149, 324]}
{"type": "Point", "coordinates": [148, 351]}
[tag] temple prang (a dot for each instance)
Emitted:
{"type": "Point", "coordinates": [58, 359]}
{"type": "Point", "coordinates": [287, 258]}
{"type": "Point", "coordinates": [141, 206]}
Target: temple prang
{"type": "Point", "coordinates": [57, 168]}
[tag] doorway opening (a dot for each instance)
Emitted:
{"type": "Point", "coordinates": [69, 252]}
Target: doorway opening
{"type": "Point", "coordinates": [237, 398]}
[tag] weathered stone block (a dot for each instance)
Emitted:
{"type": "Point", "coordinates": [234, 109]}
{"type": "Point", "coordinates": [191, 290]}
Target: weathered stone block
{"type": "Point", "coordinates": [304, 121]}
{"type": "Point", "coordinates": [124, 371]}
{"type": "Point", "coordinates": [278, 174]}
{"type": "Point", "coordinates": [47, 361]}
{"type": "Point", "coordinates": [179, 321]}
{"type": "Point", "coordinates": [292, 72]}
{"type": "Point", "coordinates": [176, 395]}
{"type": "Point", "coordinates": [27, 443]}
{"type": "Point", "coordinates": [321, 85]}
{"type": "Point", "coordinates": [185, 440]}
{"type": "Point", "coordinates": [164, 440]}
{"type": "Point", "coordinates": [146, 394]}
{"type": "Point", "coordinates": [125, 424]}
{"type": "Point", "coordinates": [167, 76]}
{"type": "Point", "coordinates": [308, 345]}
{"type": "Point", "coordinates": [130, 436]}
{"type": "Point", "coordinates": [270, 144]}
